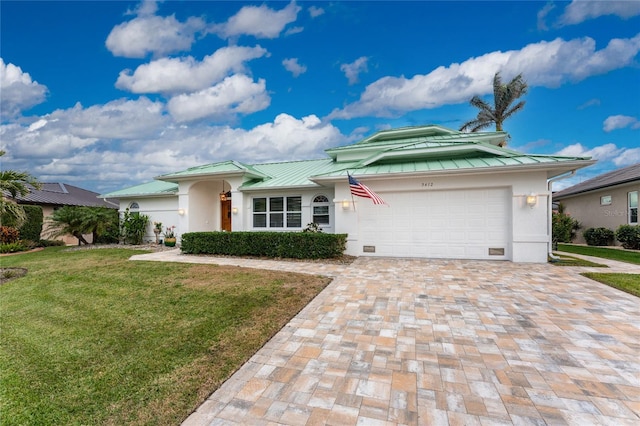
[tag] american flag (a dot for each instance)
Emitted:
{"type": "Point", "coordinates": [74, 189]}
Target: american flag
{"type": "Point", "coordinates": [360, 190]}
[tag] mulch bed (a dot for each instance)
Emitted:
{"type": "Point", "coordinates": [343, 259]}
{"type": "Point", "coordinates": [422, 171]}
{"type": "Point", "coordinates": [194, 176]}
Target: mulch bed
{"type": "Point", "coordinates": [8, 274]}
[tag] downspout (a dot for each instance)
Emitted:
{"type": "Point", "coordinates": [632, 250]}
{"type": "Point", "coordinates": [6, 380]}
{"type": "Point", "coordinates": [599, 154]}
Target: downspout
{"type": "Point", "coordinates": [550, 211]}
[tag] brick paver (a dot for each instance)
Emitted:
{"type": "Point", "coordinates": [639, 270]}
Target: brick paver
{"type": "Point", "coordinates": [443, 342]}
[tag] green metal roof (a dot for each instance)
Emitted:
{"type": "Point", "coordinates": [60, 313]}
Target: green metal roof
{"type": "Point", "coordinates": [424, 149]}
{"type": "Point", "coordinates": [427, 136]}
{"type": "Point", "coordinates": [155, 187]}
{"type": "Point", "coordinates": [223, 168]}
{"type": "Point", "coordinates": [460, 163]}
{"type": "Point", "coordinates": [292, 174]}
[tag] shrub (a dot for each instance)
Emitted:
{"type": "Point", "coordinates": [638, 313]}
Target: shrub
{"type": "Point", "coordinates": [629, 236]}
{"type": "Point", "coordinates": [17, 246]}
{"type": "Point", "coordinates": [32, 227]}
{"type": "Point", "coordinates": [564, 227]}
{"type": "Point", "coordinates": [133, 227]}
{"type": "Point", "coordinates": [8, 235]}
{"type": "Point", "coordinates": [296, 245]}
{"type": "Point", "coordinates": [51, 243]}
{"type": "Point", "coordinates": [13, 247]}
{"type": "Point", "coordinates": [598, 236]}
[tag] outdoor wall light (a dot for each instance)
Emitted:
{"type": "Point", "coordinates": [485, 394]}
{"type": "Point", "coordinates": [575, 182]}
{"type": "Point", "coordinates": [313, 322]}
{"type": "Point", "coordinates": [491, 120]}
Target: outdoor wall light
{"type": "Point", "coordinates": [181, 212]}
{"type": "Point", "coordinates": [345, 204]}
{"type": "Point", "coordinates": [234, 210]}
{"type": "Point", "coordinates": [532, 200]}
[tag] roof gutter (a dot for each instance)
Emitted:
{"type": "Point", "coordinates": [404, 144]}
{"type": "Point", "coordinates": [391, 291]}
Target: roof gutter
{"type": "Point", "coordinates": [550, 210]}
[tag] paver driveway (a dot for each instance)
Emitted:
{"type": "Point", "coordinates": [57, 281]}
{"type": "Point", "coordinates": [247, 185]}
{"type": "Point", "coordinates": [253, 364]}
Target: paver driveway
{"type": "Point", "coordinates": [415, 341]}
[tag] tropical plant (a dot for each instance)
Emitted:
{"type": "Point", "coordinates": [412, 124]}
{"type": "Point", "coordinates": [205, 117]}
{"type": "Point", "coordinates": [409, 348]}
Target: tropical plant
{"type": "Point", "coordinates": [133, 227]}
{"type": "Point", "coordinates": [100, 221]}
{"type": "Point", "coordinates": [68, 220]}
{"type": "Point", "coordinates": [8, 235]}
{"type": "Point", "coordinates": [13, 184]}
{"type": "Point", "coordinates": [170, 232]}
{"type": "Point", "coordinates": [79, 220]}
{"type": "Point", "coordinates": [504, 95]}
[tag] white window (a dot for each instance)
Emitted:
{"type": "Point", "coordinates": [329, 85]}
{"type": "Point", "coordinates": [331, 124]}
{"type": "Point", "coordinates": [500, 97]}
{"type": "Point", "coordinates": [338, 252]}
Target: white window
{"type": "Point", "coordinates": [605, 200]}
{"type": "Point", "coordinates": [134, 206]}
{"type": "Point", "coordinates": [633, 207]}
{"type": "Point", "coordinates": [321, 210]}
{"type": "Point", "coordinates": [277, 212]}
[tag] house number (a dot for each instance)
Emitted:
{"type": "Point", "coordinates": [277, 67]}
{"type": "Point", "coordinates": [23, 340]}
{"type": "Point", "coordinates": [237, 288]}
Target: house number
{"type": "Point", "coordinates": [427, 184]}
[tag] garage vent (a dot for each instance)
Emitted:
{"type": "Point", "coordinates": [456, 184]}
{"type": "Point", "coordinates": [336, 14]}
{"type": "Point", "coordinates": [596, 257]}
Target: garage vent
{"type": "Point", "coordinates": [496, 251]}
{"type": "Point", "coordinates": [369, 249]}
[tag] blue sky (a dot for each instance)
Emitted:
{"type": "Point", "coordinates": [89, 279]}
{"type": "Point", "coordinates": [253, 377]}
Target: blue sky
{"type": "Point", "coordinates": [105, 95]}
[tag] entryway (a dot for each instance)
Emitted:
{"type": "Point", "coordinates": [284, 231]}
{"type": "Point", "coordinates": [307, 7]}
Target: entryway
{"type": "Point", "coordinates": [225, 215]}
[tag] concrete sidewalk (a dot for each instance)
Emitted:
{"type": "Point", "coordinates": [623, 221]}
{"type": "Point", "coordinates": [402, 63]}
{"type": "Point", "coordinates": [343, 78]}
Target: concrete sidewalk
{"type": "Point", "coordinates": [440, 342]}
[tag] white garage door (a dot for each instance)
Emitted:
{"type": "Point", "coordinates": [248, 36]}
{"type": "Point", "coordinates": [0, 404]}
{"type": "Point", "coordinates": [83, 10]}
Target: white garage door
{"type": "Point", "coordinates": [462, 224]}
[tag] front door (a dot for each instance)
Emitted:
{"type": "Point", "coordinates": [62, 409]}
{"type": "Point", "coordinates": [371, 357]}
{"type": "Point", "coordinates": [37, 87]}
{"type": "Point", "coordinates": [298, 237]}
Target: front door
{"type": "Point", "coordinates": [225, 215]}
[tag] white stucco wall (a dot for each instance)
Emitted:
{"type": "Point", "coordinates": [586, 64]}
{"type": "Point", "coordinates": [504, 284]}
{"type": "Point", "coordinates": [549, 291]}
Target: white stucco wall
{"type": "Point", "coordinates": [527, 226]}
{"type": "Point", "coordinates": [159, 209]}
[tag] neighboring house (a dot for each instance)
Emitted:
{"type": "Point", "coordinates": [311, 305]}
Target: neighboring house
{"type": "Point", "coordinates": [608, 200]}
{"type": "Point", "coordinates": [449, 194]}
{"type": "Point", "coordinates": [52, 196]}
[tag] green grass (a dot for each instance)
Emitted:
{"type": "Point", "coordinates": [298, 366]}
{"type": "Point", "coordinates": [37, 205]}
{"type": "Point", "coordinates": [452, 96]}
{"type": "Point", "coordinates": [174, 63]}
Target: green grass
{"type": "Point", "coordinates": [88, 337]}
{"type": "Point", "coordinates": [625, 282]}
{"type": "Point", "coordinates": [574, 261]}
{"type": "Point", "coordinates": [606, 253]}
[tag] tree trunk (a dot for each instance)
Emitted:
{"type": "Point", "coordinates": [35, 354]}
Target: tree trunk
{"type": "Point", "coordinates": [80, 238]}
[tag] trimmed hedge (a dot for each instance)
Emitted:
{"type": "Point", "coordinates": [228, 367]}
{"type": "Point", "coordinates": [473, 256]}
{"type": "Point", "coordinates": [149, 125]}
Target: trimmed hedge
{"type": "Point", "coordinates": [629, 236]}
{"type": "Point", "coordinates": [32, 227]}
{"type": "Point", "coordinates": [598, 236]}
{"type": "Point", "coordinates": [296, 245]}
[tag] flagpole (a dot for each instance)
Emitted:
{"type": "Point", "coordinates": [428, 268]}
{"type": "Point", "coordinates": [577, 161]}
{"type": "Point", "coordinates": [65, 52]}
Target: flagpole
{"type": "Point", "coordinates": [353, 201]}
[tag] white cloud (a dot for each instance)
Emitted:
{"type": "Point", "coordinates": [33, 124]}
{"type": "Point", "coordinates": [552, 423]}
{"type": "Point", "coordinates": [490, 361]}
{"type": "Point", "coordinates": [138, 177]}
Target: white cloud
{"type": "Point", "coordinates": [581, 10]}
{"type": "Point", "coordinates": [61, 133]}
{"type": "Point", "coordinates": [293, 30]}
{"type": "Point", "coordinates": [174, 75]}
{"type": "Point", "coordinates": [237, 94]}
{"type": "Point", "coordinates": [620, 122]}
{"type": "Point", "coordinates": [352, 71]}
{"type": "Point", "coordinates": [631, 156]}
{"type": "Point", "coordinates": [18, 91]}
{"type": "Point", "coordinates": [257, 21]}
{"type": "Point", "coordinates": [54, 153]}
{"type": "Point", "coordinates": [590, 103]}
{"type": "Point", "coordinates": [285, 139]}
{"type": "Point", "coordinates": [605, 152]}
{"type": "Point", "coordinates": [314, 11]}
{"type": "Point", "coordinates": [542, 15]}
{"type": "Point", "coordinates": [148, 33]}
{"type": "Point", "coordinates": [292, 65]}
{"type": "Point", "coordinates": [548, 64]}
{"type": "Point", "coordinates": [145, 8]}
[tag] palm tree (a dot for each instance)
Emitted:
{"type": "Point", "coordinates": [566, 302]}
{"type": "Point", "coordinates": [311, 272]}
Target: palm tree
{"type": "Point", "coordinates": [68, 220]}
{"type": "Point", "coordinates": [503, 96]}
{"type": "Point", "coordinates": [13, 184]}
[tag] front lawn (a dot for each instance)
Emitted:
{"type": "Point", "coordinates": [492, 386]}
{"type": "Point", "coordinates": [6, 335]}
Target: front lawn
{"type": "Point", "coordinates": [606, 253]}
{"type": "Point", "coordinates": [88, 337]}
{"type": "Point", "coordinates": [625, 282]}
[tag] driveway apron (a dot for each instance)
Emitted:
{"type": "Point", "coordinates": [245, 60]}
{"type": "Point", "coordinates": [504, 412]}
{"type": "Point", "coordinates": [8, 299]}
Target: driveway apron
{"type": "Point", "coordinates": [444, 342]}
